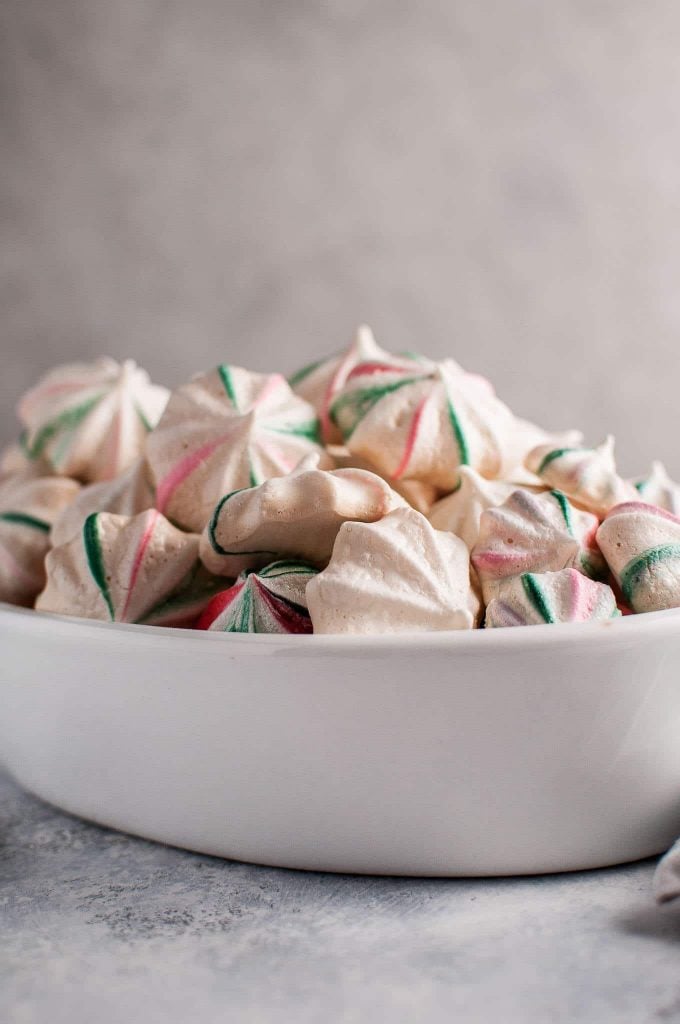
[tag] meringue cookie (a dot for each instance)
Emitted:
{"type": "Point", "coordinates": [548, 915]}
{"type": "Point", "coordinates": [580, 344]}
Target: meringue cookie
{"type": "Point", "coordinates": [586, 475]}
{"type": "Point", "coordinates": [297, 515]}
{"type": "Point", "coordinates": [641, 544]}
{"type": "Point", "coordinates": [121, 569]}
{"type": "Point", "coordinates": [533, 533]}
{"type": "Point", "coordinates": [522, 438]}
{"type": "Point", "coordinates": [422, 421]}
{"type": "Point", "coordinates": [126, 495]}
{"type": "Point", "coordinates": [14, 460]}
{"type": "Point", "coordinates": [534, 599]}
{"type": "Point", "coordinates": [222, 431]}
{"type": "Point", "coordinates": [460, 511]}
{"type": "Point", "coordinates": [418, 495]}
{"type": "Point", "coordinates": [658, 489]}
{"type": "Point", "coordinates": [90, 420]}
{"type": "Point", "coordinates": [28, 507]}
{"type": "Point", "coordinates": [271, 600]}
{"type": "Point", "coordinates": [393, 575]}
{"type": "Point", "coordinates": [319, 382]}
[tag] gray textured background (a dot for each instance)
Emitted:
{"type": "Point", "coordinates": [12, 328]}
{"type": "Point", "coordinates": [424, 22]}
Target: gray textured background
{"type": "Point", "coordinates": [245, 181]}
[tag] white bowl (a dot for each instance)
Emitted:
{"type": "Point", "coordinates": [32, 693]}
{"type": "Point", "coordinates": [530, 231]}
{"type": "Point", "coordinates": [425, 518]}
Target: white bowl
{"type": "Point", "coordinates": [548, 748]}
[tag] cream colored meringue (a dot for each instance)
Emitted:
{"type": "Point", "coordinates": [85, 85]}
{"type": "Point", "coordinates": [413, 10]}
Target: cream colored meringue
{"type": "Point", "coordinates": [533, 533]}
{"type": "Point", "coordinates": [658, 489]}
{"type": "Point", "coordinates": [127, 569]}
{"type": "Point", "coordinates": [14, 460]}
{"type": "Point", "coordinates": [422, 421]}
{"type": "Point", "coordinates": [535, 599]}
{"type": "Point", "coordinates": [397, 574]}
{"type": "Point", "coordinates": [28, 506]}
{"type": "Point", "coordinates": [418, 495]}
{"type": "Point", "coordinates": [587, 476]}
{"type": "Point", "coordinates": [641, 544]}
{"type": "Point", "coordinates": [522, 438]}
{"type": "Point", "coordinates": [90, 420]}
{"type": "Point", "coordinates": [295, 516]}
{"type": "Point", "coordinates": [460, 511]}
{"type": "Point", "coordinates": [319, 382]}
{"type": "Point", "coordinates": [126, 495]}
{"type": "Point", "coordinates": [222, 431]}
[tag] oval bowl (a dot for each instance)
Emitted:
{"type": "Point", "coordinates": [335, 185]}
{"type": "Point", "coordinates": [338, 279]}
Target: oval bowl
{"type": "Point", "coordinates": [513, 751]}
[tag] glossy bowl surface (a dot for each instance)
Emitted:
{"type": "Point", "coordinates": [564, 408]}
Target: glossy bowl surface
{"type": "Point", "coordinates": [513, 751]}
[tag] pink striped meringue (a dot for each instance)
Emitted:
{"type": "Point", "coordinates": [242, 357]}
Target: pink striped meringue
{"type": "Point", "coordinates": [127, 569]}
{"type": "Point", "coordinates": [536, 599]}
{"type": "Point", "coordinates": [90, 420]}
{"type": "Point", "coordinates": [126, 495]}
{"type": "Point", "coordinates": [296, 516]}
{"type": "Point", "coordinates": [641, 544]}
{"type": "Point", "coordinates": [319, 382]}
{"type": "Point", "coordinates": [587, 476]}
{"type": "Point", "coordinates": [397, 574]}
{"type": "Point", "coordinates": [533, 533]}
{"type": "Point", "coordinates": [271, 600]}
{"type": "Point", "coordinates": [422, 421]}
{"type": "Point", "coordinates": [222, 431]}
{"type": "Point", "coordinates": [658, 489]}
{"type": "Point", "coordinates": [28, 506]}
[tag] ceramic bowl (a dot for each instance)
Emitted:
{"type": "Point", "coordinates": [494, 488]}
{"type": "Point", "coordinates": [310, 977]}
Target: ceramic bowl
{"type": "Point", "coordinates": [512, 751]}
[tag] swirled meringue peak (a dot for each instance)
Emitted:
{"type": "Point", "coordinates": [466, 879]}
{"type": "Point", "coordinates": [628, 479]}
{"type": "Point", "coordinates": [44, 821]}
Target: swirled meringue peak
{"type": "Point", "coordinates": [460, 511]}
{"type": "Point", "coordinates": [319, 382]}
{"type": "Point", "coordinates": [658, 489]}
{"type": "Point", "coordinates": [297, 516]}
{"type": "Point", "coordinates": [28, 506]}
{"type": "Point", "coordinates": [641, 544]}
{"type": "Point", "coordinates": [90, 420]}
{"type": "Point", "coordinates": [418, 495]}
{"type": "Point", "coordinates": [270, 600]}
{"type": "Point", "coordinates": [397, 574]}
{"type": "Point", "coordinates": [534, 599]}
{"type": "Point", "coordinates": [126, 495]}
{"type": "Point", "coordinates": [222, 431]}
{"type": "Point", "coordinates": [127, 569]}
{"type": "Point", "coordinates": [534, 533]}
{"type": "Point", "coordinates": [422, 421]}
{"type": "Point", "coordinates": [587, 476]}
{"type": "Point", "coordinates": [523, 436]}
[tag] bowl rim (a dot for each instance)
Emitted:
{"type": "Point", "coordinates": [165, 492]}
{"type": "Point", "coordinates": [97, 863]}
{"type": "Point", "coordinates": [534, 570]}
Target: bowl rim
{"type": "Point", "coordinates": [622, 629]}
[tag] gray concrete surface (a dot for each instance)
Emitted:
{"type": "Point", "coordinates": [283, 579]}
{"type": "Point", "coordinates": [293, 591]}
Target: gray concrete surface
{"type": "Point", "coordinates": [99, 927]}
{"type": "Point", "coordinates": [227, 179]}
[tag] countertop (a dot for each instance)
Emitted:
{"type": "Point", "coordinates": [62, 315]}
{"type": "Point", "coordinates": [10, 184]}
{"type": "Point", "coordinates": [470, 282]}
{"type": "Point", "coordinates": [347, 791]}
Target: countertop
{"type": "Point", "coordinates": [97, 927]}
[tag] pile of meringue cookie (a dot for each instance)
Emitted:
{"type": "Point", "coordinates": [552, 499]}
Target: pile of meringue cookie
{"type": "Point", "coordinates": [369, 493]}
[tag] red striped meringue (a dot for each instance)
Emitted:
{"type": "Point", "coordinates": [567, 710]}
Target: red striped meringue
{"type": "Point", "coordinates": [127, 569]}
{"type": "Point", "coordinates": [222, 431]}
